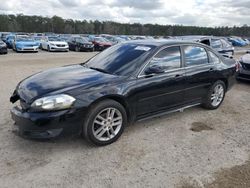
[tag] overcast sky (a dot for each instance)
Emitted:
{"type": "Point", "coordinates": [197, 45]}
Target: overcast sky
{"type": "Point", "coordinates": [185, 12]}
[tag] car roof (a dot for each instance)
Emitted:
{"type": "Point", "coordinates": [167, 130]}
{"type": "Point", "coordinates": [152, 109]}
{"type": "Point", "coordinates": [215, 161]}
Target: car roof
{"type": "Point", "coordinates": [162, 42]}
{"type": "Point", "coordinates": [199, 37]}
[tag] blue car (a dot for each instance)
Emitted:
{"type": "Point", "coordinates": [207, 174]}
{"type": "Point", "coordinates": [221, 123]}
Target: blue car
{"type": "Point", "coordinates": [25, 44]}
{"type": "Point", "coordinates": [9, 41]}
{"type": "Point", "coordinates": [237, 41]}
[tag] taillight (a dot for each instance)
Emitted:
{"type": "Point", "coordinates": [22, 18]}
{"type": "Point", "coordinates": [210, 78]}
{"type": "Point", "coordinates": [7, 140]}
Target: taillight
{"type": "Point", "coordinates": [237, 66]}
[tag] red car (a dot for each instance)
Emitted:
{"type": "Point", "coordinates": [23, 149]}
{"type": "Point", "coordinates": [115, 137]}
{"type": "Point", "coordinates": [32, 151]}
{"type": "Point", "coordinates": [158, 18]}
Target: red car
{"type": "Point", "coordinates": [101, 44]}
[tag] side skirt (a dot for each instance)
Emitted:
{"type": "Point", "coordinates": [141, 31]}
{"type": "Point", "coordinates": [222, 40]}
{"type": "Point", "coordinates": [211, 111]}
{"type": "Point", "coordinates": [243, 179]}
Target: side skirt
{"type": "Point", "coordinates": [168, 112]}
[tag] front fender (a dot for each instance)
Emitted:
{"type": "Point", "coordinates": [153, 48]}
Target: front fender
{"type": "Point", "coordinates": [87, 98]}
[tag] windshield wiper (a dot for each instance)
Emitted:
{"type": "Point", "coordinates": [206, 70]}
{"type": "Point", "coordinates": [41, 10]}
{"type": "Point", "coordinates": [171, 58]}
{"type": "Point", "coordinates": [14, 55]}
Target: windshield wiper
{"type": "Point", "coordinates": [100, 70]}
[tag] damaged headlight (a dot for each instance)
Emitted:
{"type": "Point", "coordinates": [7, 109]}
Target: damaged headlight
{"type": "Point", "coordinates": [55, 102]}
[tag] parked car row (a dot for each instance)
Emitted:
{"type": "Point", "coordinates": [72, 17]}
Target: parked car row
{"type": "Point", "coordinates": [22, 42]}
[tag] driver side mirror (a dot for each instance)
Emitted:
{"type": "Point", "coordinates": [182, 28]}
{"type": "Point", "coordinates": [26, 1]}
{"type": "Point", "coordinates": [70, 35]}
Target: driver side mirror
{"type": "Point", "coordinates": [154, 69]}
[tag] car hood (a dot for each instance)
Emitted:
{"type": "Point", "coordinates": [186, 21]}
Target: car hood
{"type": "Point", "coordinates": [246, 59]}
{"type": "Point", "coordinates": [60, 80]}
{"type": "Point", "coordinates": [58, 42]}
{"type": "Point", "coordinates": [84, 43]}
{"type": "Point", "coordinates": [27, 43]}
{"type": "Point", "coordinates": [105, 43]}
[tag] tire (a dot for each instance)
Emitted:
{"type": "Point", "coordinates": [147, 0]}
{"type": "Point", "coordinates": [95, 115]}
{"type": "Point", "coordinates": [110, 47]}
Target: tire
{"type": "Point", "coordinates": [77, 49]}
{"type": "Point", "coordinates": [216, 91]}
{"type": "Point", "coordinates": [48, 48]}
{"type": "Point", "coordinates": [104, 133]}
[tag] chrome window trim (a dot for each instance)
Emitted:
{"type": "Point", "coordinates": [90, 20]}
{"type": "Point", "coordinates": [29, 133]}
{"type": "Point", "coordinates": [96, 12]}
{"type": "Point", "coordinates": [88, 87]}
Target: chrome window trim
{"type": "Point", "coordinates": [200, 66]}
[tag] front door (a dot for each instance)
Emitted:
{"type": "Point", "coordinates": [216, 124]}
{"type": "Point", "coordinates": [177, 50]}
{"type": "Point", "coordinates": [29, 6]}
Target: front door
{"type": "Point", "coordinates": [161, 91]}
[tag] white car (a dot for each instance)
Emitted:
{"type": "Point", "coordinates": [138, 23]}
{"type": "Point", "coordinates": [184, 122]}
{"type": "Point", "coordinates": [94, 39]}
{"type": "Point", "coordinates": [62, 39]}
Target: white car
{"type": "Point", "coordinates": [54, 44]}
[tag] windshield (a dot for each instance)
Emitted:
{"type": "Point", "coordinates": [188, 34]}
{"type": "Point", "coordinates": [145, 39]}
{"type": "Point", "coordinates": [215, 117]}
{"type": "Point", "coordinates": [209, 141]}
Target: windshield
{"type": "Point", "coordinates": [100, 40]}
{"type": "Point", "coordinates": [10, 37]}
{"type": "Point", "coordinates": [54, 39]}
{"type": "Point", "coordinates": [121, 59]}
{"type": "Point", "coordinates": [86, 38]}
{"type": "Point", "coordinates": [81, 40]}
{"type": "Point", "coordinates": [37, 38]}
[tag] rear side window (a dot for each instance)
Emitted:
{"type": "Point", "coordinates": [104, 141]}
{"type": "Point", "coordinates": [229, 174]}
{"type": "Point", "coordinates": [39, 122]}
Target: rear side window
{"type": "Point", "coordinates": [168, 58]}
{"type": "Point", "coordinates": [216, 43]}
{"type": "Point", "coordinates": [214, 59]}
{"type": "Point", "coordinates": [195, 55]}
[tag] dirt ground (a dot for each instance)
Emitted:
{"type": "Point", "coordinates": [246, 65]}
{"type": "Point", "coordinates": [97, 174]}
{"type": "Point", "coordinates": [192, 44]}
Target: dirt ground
{"type": "Point", "coordinates": [196, 148]}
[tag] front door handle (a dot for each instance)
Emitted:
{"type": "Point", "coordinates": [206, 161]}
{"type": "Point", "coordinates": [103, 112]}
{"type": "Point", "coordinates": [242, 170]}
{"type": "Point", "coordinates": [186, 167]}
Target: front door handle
{"type": "Point", "coordinates": [211, 69]}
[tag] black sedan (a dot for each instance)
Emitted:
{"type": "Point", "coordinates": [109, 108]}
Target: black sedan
{"type": "Point", "coordinates": [244, 72]}
{"type": "Point", "coordinates": [125, 83]}
{"type": "Point", "coordinates": [80, 44]}
{"type": "Point", "coordinates": [3, 48]}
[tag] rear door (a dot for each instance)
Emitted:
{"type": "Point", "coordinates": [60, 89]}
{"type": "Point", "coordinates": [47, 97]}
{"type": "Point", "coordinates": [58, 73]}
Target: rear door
{"type": "Point", "coordinates": [200, 72]}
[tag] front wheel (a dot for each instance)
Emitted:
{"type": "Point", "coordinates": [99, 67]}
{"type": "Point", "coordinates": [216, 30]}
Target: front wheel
{"type": "Point", "coordinates": [215, 95]}
{"type": "Point", "coordinates": [105, 123]}
{"type": "Point", "coordinates": [77, 49]}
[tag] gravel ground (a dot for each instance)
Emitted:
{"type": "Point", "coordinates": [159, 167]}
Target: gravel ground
{"type": "Point", "coordinates": [195, 148]}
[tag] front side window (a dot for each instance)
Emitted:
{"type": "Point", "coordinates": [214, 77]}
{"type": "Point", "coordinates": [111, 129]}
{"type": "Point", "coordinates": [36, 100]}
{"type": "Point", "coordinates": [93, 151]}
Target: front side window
{"type": "Point", "coordinates": [195, 55]}
{"type": "Point", "coordinates": [168, 58]}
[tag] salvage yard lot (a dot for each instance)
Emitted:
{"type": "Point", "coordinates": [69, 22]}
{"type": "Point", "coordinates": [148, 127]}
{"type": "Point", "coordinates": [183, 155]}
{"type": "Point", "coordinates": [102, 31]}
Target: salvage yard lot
{"type": "Point", "coordinates": [195, 148]}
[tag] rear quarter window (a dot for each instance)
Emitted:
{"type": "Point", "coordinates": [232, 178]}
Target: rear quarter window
{"type": "Point", "coordinates": [213, 58]}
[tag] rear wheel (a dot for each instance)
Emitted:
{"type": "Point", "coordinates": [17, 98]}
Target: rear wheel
{"type": "Point", "coordinates": [105, 122]}
{"type": "Point", "coordinates": [215, 95]}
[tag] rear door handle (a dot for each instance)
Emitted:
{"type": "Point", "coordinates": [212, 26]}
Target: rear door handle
{"type": "Point", "coordinates": [179, 75]}
{"type": "Point", "coordinates": [211, 69]}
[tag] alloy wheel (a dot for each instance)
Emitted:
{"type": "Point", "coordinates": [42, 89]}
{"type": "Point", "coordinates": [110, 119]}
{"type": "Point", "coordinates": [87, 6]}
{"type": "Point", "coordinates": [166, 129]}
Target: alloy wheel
{"type": "Point", "coordinates": [107, 124]}
{"type": "Point", "coordinates": [217, 95]}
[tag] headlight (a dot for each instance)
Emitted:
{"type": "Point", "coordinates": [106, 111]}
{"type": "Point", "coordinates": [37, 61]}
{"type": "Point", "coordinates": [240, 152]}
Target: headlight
{"type": "Point", "coordinates": [3, 45]}
{"type": "Point", "coordinates": [55, 102]}
{"type": "Point", "coordinates": [52, 44]}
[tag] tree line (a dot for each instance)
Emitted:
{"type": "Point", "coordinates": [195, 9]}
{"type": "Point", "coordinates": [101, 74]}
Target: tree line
{"type": "Point", "coordinates": [56, 24]}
